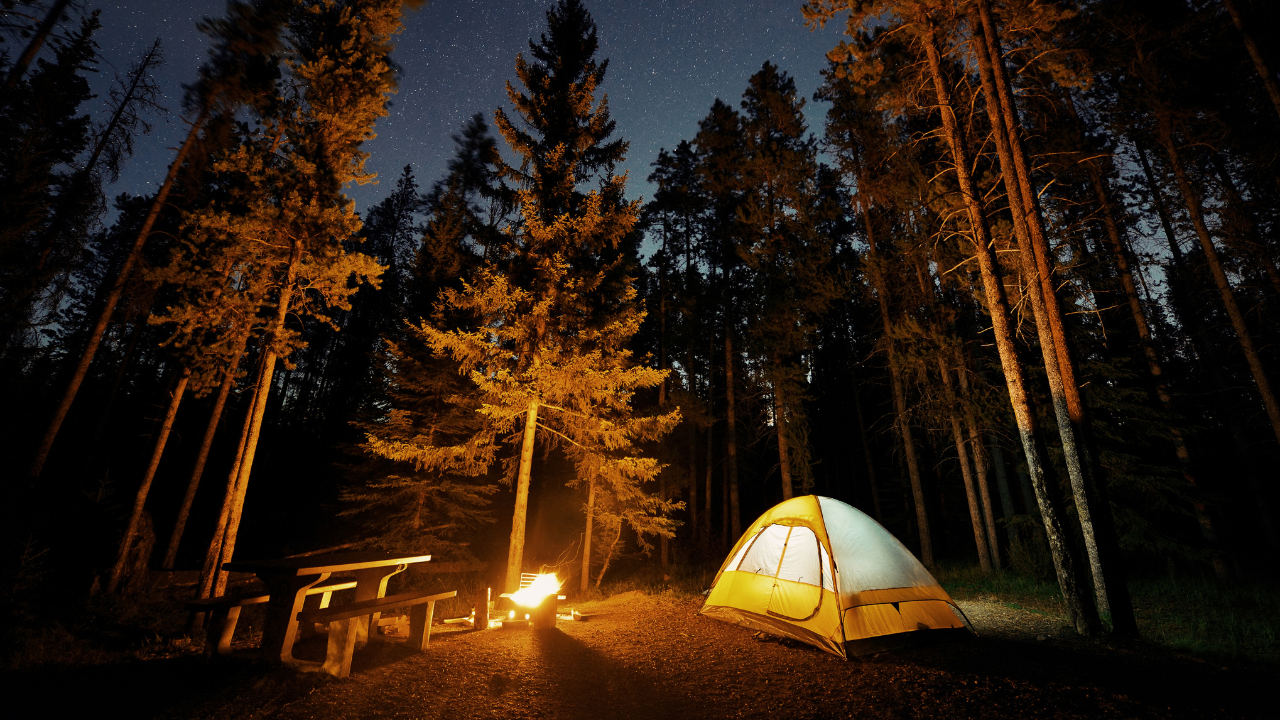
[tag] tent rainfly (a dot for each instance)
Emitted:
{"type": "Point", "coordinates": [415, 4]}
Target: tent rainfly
{"type": "Point", "coordinates": [822, 572]}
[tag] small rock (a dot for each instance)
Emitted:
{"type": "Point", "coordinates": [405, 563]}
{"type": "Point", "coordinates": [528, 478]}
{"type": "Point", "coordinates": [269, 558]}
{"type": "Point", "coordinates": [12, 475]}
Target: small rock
{"type": "Point", "coordinates": [1042, 637]}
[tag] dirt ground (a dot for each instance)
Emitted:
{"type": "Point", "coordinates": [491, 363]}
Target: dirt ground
{"type": "Point", "coordinates": [654, 657]}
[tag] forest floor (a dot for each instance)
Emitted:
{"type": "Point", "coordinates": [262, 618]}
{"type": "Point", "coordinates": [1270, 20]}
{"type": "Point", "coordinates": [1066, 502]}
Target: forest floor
{"type": "Point", "coordinates": [652, 656]}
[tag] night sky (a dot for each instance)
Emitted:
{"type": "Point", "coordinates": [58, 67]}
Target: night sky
{"type": "Point", "coordinates": [669, 60]}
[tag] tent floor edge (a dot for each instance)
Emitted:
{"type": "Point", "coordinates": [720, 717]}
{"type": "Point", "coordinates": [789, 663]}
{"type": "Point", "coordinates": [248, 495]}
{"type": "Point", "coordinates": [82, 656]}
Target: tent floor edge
{"type": "Point", "coordinates": [904, 640]}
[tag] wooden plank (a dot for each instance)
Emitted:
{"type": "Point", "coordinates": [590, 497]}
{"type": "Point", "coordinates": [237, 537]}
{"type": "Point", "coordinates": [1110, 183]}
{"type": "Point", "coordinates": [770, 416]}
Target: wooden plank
{"type": "Point", "coordinates": [328, 563]}
{"type": "Point", "coordinates": [368, 607]}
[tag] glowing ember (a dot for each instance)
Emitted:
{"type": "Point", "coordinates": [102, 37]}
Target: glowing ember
{"type": "Point", "coordinates": [540, 588]}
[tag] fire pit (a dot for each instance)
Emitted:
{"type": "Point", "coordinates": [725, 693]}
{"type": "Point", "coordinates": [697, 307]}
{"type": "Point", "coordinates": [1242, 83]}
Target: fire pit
{"type": "Point", "coordinates": [535, 601]}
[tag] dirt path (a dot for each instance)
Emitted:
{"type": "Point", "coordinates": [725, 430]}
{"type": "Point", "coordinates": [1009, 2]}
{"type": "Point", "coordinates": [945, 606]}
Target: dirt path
{"type": "Point", "coordinates": [654, 657]}
{"type": "Point", "coordinates": [644, 657]}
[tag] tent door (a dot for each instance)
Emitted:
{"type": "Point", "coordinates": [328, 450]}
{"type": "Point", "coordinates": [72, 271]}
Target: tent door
{"type": "Point", "coordinates": [797, 586]}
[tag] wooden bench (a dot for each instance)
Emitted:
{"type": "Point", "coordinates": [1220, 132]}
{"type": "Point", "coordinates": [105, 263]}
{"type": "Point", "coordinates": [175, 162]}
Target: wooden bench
{"type": "Point", "coordinates": [344, 621]}
{"type": "Point", "coordinates": [224, 612]}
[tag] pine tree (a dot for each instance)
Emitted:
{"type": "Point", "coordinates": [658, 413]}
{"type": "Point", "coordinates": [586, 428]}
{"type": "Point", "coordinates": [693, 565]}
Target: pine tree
{"type": "Point", "coordinates": [550, 324]}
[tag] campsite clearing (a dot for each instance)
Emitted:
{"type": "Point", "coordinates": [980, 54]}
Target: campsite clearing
{"type": "Point", "coordinates": [654, 657]}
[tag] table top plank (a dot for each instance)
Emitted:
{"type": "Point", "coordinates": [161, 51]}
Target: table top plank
{"type": "Point", "coordinates": [327, 563]}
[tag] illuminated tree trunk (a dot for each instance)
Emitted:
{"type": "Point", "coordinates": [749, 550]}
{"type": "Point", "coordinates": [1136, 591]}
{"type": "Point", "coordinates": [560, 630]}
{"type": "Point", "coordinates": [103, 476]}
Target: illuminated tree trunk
{"type": "Point", "coordinates": [1259, 63]}
{"type": "Point", "coordinates": [515, 555]}
{"type": "Point", "coordinates": [613, 546]}
{"type": "Point", "coordinates": [140, 500]}
{"type": "Point", "coordinates": [586, 538]}
{"type": "Point", "coordinates": [211, 576]}
{"type": "Point", "coordinates": [263, 393]}
{"type": "Point", "coordinates": [197, 472]}
{"type": "Point", "coordinates": [112, 299]}
{"type": "Point", "coordinates": [1079, 612]}
{"type": "Point", "coordinates": [1164, 126]}
{"type": "Point", "coordinates": [1109, 584]}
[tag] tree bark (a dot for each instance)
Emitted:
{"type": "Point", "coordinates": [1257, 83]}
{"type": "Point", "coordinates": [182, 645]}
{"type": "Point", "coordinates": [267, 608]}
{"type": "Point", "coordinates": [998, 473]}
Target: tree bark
{"type": "Point", "coordinates": [109, 306]}
{"type": "Point", "coordinates": [263, 394]}
{"type": "Point", "coordinates": [211, 574]}
{"type": "Point", "coordinates": [140, 500]}
{"type": "Point", "coordinates": [586, 538]}
{"type": "Point", "coordinates": [1079, 612]}
{"type": "Point", "coordinates": [1106, 566]}
{"type": "Point", "coordinates": [515, 553]}
{"type": "Point", "coordinates": [613, 546]}
{"type": "Point", "coordinates": [197, 472]}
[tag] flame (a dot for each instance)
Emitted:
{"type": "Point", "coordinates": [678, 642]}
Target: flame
{"type": "Point", "coordinates": [542, 586]}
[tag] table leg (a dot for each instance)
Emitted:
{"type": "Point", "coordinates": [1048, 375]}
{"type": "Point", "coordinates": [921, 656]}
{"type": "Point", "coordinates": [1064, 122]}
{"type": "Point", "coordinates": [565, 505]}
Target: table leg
{"type": "Point", "coordinates": [281, 628]}
{"type": "Point", "coordinates": [371, 583]}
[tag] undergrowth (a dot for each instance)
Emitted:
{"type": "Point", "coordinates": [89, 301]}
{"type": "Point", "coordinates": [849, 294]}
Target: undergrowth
{"type": "Point", "coordinates": [1194, 615]}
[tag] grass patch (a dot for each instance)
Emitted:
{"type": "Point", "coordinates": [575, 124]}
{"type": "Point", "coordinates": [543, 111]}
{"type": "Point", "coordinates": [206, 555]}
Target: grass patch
{"type": "Point", "coordinates": [1205, 618]}
{"type": "Point", "coordinates": [1015, 590]}
{"type": "Point", "coordinates": [1198, 616]}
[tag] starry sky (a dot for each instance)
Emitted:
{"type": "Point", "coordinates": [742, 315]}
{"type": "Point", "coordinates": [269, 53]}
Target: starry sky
{"type": "Point", "coordinates": [669, 60]}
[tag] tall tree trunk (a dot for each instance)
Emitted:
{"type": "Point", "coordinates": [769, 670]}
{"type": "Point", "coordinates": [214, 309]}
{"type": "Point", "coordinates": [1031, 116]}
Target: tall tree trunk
{"type": "Point", "coordinates": [1106, 565]}
{"type": "Point", "coordinates": [1157, 201]}
{"type": "Point", "coordinates": [962, 455]}
{"type": "Point", "coordinates": [981, 469]}
{"type": "Point", "coordinates": [1120, 256]}
{"type": "Point", "coordinates": [663, 546]}
{"type": "Point", "coordinates": [1080, 613]}
{"type": "Point", "coordinates": [263, 394]}
{"type": "Point", "coordinates": [1191, 199]}
{"type": "Point", "coordinates": [140, 500]}
{"type": "Point", "coordinates": [197, 472]}
{"type": "Point", "coordinates": [515, 553]}
{"type": "Point", "coordinates": [734, 523]}
{"type": "Point", "coordinates": [780, 424]}
{"type": "Point", "coordinates": [901, 421]}
{"type": "Point", "coordinates": [711, 436]}
{"type": "Point", "coordinates": [113, 298]}
{"type": "Point", "coordinates": [1251, 245]}
{"type": "Point", "coordinates": [871, 464]}
{"type": "Point", "coordinates": [211, 576]}
{"type": "Point", "coordinates": [586, 537]}
{"type": "Point", "coordinates": [36, 42]}
{"type": "Point", "coordinates": [1259, 63]}
{"type": "Point", "coordinates": [1002, 482]}
{"type": "Point", "coordinates": [608, 557]}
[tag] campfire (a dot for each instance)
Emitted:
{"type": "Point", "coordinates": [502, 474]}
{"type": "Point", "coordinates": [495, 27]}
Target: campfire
{"type": "Point", "coordinates": [536, 600]}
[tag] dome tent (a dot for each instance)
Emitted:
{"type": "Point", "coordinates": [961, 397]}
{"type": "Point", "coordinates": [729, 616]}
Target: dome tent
{"type": "Point", "coordinates": [822, 572]}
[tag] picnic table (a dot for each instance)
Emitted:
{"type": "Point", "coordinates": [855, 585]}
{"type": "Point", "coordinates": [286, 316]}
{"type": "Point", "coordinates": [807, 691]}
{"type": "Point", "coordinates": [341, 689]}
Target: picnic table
{"type": "Point", "coordinates": [288, 579]}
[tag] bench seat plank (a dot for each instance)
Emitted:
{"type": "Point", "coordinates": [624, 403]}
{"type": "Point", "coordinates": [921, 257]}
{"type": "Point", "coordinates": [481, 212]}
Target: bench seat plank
{"type": "Point", "coordinates": [345, 621]}
{"type": "Point", "coordinates": [224, 612]}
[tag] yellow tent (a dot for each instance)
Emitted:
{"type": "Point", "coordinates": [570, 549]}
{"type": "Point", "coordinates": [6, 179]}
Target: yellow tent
{"type": "Point", "coordinates": [822, 572]}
